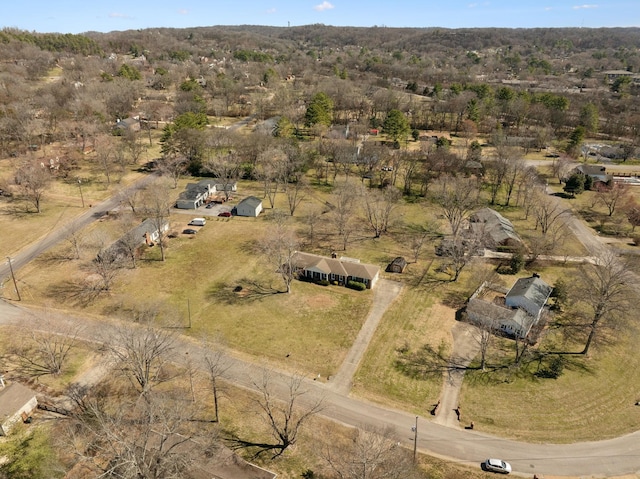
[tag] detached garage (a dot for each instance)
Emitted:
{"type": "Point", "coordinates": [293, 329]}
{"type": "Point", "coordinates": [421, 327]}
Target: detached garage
{"type": "Point", "coordinates": [250, 206]}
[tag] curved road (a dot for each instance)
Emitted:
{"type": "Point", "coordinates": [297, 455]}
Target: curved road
{"type": "Point", "coordinates": [602, 458]}
{"type": "Point", "coordinates": [607, 458]}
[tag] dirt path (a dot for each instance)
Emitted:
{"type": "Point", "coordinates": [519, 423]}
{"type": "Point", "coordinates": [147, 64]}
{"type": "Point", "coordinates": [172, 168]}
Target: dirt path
{"type": "Point", "coordinates": [385, 293]}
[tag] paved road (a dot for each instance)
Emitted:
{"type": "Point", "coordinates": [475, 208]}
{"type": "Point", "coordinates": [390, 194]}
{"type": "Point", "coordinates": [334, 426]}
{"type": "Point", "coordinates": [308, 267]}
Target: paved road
{"type": "Point", "coordinates": [603, 458]}
{"type": "Point", "coordinates": [29, 253]}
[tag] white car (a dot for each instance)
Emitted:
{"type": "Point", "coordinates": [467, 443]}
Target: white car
{"type": "Point", "coordinates": [497, 465]}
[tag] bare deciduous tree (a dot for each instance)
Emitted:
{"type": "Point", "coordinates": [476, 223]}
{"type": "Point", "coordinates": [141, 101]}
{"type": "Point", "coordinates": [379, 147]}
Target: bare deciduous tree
{"type": "Point", "coordinates": [217, 367]}
{"type": "Point", "coordinates": [457, 196]}
{"type": "Point", "coordinates": [75, 237]}
{"type": "Point", "coordinates": [284, 417]}
{"type": "Point", "coordinates": [610, 196]}
{"type": "Point", "coordinates": [44, 349]}
{"type": "Point", "coordinates": [141, 352]}
{"type": "Point", "coordinates": [295, 189]}
{"type": "Point", "coordinates": [172, 165]}
{"type": "Point", "coordinates": [343, 213]}
{"type": "Point", "coordinates": [369, 454]}
{"type": "Point", "coordinates": [379, 207]}
{"type": "Point", "coordinates": [607, 289]}
{"type": "Point", "coordinates": [33, 178]}
{"type": "Point", "coordinates": [151, 439]}
{"type": "Point", "coordinates": [279, 248]}
{"type": "Point", "coordinates": [106, 265]}
{"type": "Point", "coordinates": [156, 205]}
{"type": "Point", "coordinates": [547, 211]}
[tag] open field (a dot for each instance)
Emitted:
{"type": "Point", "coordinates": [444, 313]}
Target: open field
{"type": "Point", "coordinates": [217, 283]}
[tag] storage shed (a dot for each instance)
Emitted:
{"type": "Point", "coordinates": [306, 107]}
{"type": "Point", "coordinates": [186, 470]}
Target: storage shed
{"type": "Point", "coordinates": [397, 265]}
{"type": "Point", "coordinates": [250, 206]}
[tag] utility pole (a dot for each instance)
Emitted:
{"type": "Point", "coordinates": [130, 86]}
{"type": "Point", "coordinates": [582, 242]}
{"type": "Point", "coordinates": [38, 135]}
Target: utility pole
{"type": "Point", "coordinates": [415, 439]}
{"type": "Point", "coordinates": [80, 188]}
{"type": "Point", "coordinates": [13, 277]}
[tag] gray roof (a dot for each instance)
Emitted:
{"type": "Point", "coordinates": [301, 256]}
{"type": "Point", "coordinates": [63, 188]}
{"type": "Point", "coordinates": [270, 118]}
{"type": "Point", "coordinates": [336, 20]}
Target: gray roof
{"type": "Point", "coordinates": [335, 266]}
{"type": "Point", "coordinates": [12, 398]}
{"type": "Point", "coordinates": [597, 172]}
{"type": "Point", "coordinates": [494, 314]}
{"type": "Point", "coordinates": [147, 226]}
{"type": "Point", "coordinates": [251, 201]}
{"type": "Point", "coordinates": [193, 191]}
{"type": "Point", "coordinates": [493, 226]}
{"type": "Point", "coordinates": [532, 288]}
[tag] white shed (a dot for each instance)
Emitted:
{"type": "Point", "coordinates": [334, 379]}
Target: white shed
{"type": "Point", "coordinates": [250, 206]}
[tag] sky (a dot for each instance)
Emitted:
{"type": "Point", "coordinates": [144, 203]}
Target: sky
{"type": "Point", "coordinates": [78, 16]}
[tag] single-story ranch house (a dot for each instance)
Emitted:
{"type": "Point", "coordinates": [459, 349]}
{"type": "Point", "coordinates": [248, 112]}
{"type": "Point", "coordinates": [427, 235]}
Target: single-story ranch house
{"type": "Point", "coordinates": [596, 172]}
{"type": "Point", "coordinates": [496, 231]}
{"type": "Point", "coordinates": [16, 400]}
{"type": "Point", "coordinates": [514, 311]}
{"type": "Point", "coordinates": [340, 270]}
{"type": "Point", "coordinates": [145, 233]}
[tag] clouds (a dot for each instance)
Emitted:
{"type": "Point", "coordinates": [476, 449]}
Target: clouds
{"type": "Point", "coordinates": [584, 7]}
{"type": "Point", "coordinates": [323, 6]}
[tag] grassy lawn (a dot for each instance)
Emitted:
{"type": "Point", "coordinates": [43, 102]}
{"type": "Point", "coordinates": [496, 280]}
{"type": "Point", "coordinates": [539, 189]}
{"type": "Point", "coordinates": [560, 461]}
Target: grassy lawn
{"type": "Point", "coordinates": [315, 325]}
{"type": "Point", "coordinates": [62, 201]}
{"type": "Point", "coordinates": [592, 400]}
{"type": "Point", "coordinates": [218, 282]}
{"type": "Point", "coordinates": [412, 321]}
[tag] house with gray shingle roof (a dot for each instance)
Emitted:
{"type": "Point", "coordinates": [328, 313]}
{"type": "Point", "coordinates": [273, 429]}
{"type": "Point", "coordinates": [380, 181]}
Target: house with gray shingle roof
{"type": "Point", "coordinates": [339, 270]}
{"type": "Point", "coordinates": [249, 206]}
{"type": "Point", "coordinates": [514, 311]}
{"type": "Point", "coordinates": [495, 231]}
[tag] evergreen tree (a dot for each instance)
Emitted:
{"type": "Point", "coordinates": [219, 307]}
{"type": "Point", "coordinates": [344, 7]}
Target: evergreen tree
{"type": "Point", "coordinates": [396, 126]}
{"type": "Point", "coordinates": [319, 111]}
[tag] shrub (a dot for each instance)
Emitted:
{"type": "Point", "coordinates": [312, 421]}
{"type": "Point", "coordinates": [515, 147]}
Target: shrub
{"type": "Point", "coordinates": [517, 262]}
{"type": "Point", "coordinates": [323, 282]}
{"type": "Point", "coordinates": [356, 285]}
{"type": "Point", "coordinates": [555, 369]}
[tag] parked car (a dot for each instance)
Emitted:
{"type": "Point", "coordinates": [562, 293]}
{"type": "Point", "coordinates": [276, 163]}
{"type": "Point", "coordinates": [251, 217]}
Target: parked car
{"type": "Point", "coordinates": [189, 231]}
{"type": "Point", "coordinates": [197, 222]}
{"type": "Point", "coordinates": [209, 206]}
{"type": "Point", "coordinates": [497, 465]}
{"type": "Point", "coordinates": [226, 214]}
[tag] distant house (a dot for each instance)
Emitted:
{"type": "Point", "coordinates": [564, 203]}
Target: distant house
{"type": "Point", "coordinates": [249, 206]}
{"type": "Point", "coordinates": [146, 232]}
{"type": "Point", "coordinates": [596, 172]}
{"type": "Point", "coordinates": [612, 75]}
{"type": "Point", "coordinates": [495, 231]}
{"type": "Point", "coordinates": [197, 194]}
{"type": "Point", "coordinates": [398, 265]}
{"type": "Point", "coordinates": [16, 403]}
{"type": "Point", "coordinates": [340, 270]}
{"type": "Point", "coordinates": [515, 311]}
{"type": "Point", "coordinates": [128, 124]}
